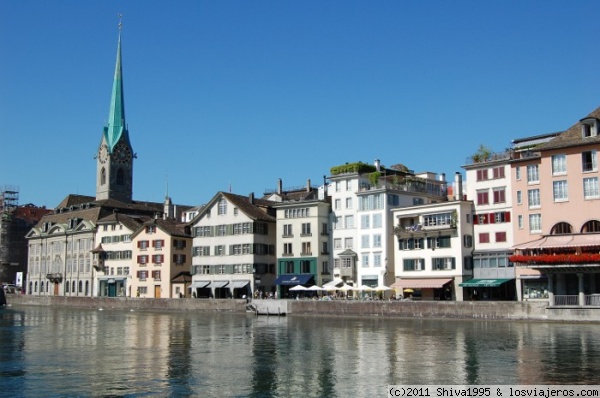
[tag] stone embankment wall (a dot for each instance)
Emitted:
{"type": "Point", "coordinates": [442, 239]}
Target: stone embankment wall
{"type": "Point", "coordinates": [477, 310]}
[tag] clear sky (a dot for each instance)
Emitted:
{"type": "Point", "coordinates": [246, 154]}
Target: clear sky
{"type": "Point", "coordinates": [241, 93]}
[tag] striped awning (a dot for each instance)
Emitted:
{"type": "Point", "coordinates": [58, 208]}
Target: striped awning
{"type": "Point", "coordinates": [427, 283]}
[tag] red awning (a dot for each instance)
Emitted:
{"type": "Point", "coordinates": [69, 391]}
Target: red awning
{"type": "Point", "coordinates": [430, 283]}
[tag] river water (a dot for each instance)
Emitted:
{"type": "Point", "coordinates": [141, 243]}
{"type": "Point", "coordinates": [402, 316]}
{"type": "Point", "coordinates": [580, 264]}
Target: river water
{"type": "Point", "coordinates": [52, 352]}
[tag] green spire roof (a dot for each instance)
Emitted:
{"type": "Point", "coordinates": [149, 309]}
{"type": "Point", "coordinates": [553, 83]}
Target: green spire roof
{"type": "Point", "coordinates": [116, 126]}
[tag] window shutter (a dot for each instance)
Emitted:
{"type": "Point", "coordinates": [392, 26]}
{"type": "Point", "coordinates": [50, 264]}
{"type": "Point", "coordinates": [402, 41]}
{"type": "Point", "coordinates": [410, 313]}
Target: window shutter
{"type": "Point", "coordinates": [507, 216]}
{"type": "Point", "coordinates": [492, 218]}
{"type": "Point", "coordinates": [139, 258]}
{"type": "Point", "coordinates": [161, 258]}
{"type": "Point", "coordinates": [162, 242]}
{"type": "Point", "coordinates": [475, 219]}
{"type": "Point", "coordinates": [138, 274]}
{"type": "Point", "coordinates": [139, 244]}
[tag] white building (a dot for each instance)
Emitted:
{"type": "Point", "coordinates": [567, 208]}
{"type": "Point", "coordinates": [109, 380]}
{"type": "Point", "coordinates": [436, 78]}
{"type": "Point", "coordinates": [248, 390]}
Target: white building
{"type": "Point", "coordinates": [363, 197]}
{"type": "Point", "coordinates": [434, 248]}
{"type": "Point", "coordinates": [233, 250]}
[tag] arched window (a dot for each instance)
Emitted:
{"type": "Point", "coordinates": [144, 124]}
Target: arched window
{"type": "Point", "coordinates": [120, 177]}
{"type": "Point", "coordinates": [41, 287]}
{"type": "Point", "coordinates": [561, 228]}
{"type": "Point", "coordinates": [87, 287]}
{"type": "Point", "coordinates": [73, 290]}
{"type": "Point", "coordinates": [67, 287]}
{"type": "Point", "coordinates": [103, 176]}
{"type": "Point", "coordinates": [80, 286]}
{"type": "Point", "coordinates": [35, 287]}
{"type": "Point", "coordinates": [591, 226]}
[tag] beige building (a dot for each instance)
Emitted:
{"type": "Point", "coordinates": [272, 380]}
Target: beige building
{"type": "Point", "coordinates": [161, 252]}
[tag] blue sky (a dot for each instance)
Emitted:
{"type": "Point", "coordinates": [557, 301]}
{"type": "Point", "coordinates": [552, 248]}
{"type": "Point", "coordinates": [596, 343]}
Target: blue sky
{"type": "Point", "coordinates": [246, 92]}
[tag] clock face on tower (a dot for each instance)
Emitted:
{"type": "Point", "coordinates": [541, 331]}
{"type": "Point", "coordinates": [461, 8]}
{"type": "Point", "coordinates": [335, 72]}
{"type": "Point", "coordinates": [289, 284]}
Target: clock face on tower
{"type": "Point", "coordinates": [103, 154]}
{"type": "Point", "coordinates": [122, 154]}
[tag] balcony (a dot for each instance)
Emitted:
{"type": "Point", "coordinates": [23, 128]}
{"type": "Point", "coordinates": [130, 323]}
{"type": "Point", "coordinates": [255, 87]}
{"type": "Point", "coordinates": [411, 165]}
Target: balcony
{"type": "Point", "coordinates": [55, 277]}
{"type": "Point", "coordinates": [419, 230]}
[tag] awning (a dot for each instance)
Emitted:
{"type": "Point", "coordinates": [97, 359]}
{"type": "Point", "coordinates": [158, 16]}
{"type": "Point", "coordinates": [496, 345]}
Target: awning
{"type": "Point", "coordinates": [218, 284]}
{"type": "Point", "coordinates": [484, 282]}
{"type": "Point", "coordinates": [199, 284]}
{"type": "Point", "coordinates": [288, 280]}
{"type": "Point", "coordinates": [239, 284]}
{"type": "Point", "coordinates": [430, 283]}
{"type": "Point", "coordinates": [559, 241]}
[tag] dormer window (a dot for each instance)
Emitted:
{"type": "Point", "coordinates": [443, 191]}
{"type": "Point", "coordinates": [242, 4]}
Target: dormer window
{"type": "Point", "coordinates": [589, 127]}
{"type": "Point", "coordinates": [150, 229]}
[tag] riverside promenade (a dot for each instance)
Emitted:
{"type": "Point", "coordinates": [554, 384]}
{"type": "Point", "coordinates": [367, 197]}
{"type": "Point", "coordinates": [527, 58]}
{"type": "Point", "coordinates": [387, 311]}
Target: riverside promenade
{"type": "Point", "coordinates": [477, 310]}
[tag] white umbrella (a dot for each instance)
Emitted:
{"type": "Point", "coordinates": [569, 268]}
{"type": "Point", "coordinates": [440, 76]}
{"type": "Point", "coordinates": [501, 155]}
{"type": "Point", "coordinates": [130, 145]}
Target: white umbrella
{"type": "Point", "coordinates": [382, 288]}
{"type": "Point", "coordinates": [298, 288]}
{"type": "Point", "coordinates": [346, 288]}
{"type": "Point", "coordinates": [365, 288]}
{"type": "Point", "coordinates": [331, 288]}
{"type": "Point", "coordinates": [315, 288]}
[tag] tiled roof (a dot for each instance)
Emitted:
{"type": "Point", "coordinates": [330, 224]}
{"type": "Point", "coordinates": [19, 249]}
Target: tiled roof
{"type": "Point", "coordinates": [172, 227]}
{"type": "Point", "coordinates": [256, 210]}
{"type": "Point", "coordinates": [131, 223]}
{"type": "Point", "coordinates": [572, 136]}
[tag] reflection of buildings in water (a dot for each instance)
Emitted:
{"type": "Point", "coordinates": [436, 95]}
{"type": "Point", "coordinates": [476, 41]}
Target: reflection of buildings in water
{"type": "Point", "coordinates": [179, 360]}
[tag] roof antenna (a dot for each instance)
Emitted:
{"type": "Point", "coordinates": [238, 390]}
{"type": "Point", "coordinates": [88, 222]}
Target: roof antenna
{"type": "Point", "coordinates": [120, 22]}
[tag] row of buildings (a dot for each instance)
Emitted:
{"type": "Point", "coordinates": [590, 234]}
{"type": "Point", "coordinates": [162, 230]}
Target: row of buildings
{"type": "Point", "coordinates": [523, 226]}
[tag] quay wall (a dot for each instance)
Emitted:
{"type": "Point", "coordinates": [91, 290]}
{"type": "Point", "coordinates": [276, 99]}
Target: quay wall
{"type": "Point", "coordinates": [477, 310]}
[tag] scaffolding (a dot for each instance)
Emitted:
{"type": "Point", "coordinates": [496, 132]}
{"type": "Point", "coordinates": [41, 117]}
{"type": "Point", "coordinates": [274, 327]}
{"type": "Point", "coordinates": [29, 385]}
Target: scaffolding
{"type": "Point", "coordinates": [9, 198]}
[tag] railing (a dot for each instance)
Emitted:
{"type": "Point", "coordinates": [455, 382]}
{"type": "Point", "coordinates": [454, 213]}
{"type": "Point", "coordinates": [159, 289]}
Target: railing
{"type": "Point", "coordinates": [566, 300]}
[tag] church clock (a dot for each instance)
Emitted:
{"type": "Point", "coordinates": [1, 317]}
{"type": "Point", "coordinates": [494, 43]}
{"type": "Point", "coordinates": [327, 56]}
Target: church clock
{"type": "Point", "coordinates": [103, 153]}
{"type": "Point", "coordinates": [122, 154]}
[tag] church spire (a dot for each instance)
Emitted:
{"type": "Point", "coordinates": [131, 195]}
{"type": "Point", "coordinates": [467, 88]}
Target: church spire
{"type": "Point", "coordinates": [116, 127]}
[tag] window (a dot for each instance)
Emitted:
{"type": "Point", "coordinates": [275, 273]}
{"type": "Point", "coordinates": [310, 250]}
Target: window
{"type": "Point", "coordinates": [500, 236]}
{"type": "Point", "coordinates": [222, 207]}
{"type": "Point", "coordinates": [287, 249]}
{"type": "Point", "coordinates": [365, 260]}
{"type": "Point", "coordinates": [377, 220]}
{"type": "Point", "coordinates": [443, 263]}
{"type": "Point", "coordinates": [306, 249]}
{"type": "Point", "coordinates": [377, 259]}
{"type": "Point", "coordinates": [337, 223]}
{"type": "Point", "coordinates": [431, 220]}
{"type": "Point", "coordinates": [560, 191]}
{"type": "Point", "coordinates": [348, 203]}
{"type": "Point", "coordinates": [483, 197]}
{"type": "Point", "coordinates": [519, 197]}
{"type": "Point", "coordinates": [143, 244]}
{"type": "Point", "coordinates": [365, 221]}
{"type": "Point", "coordinates": [156, 275]}
{"type": "Point", "coordinates": [157, 259]}
{"type": "Point", "coordinates": [439, 242]}
{"type": "Point", "coordinates": [413, 264]}
{"type": "Point", "coordinates": [559, 164]}
{"type": "Point", "coordinates": [501, 216]}
{"type": "Point", "coordinates": [306, 229]}
{"type": "Point", "coordinates": [498, 172]}
{"type": "Point", "coordinates": [305, 267]}
{"type": "Point", "coordinates": [535, 223]}
{"type": "Point", "coordinates": [349, 243]}
{"type": "Point", "coordinates": [533, 175]}
{"type": "Point", "coordinates": [588, 161]}
{"type": "Point", "coordinates": [467, 241]}
{"type": "Point", "coordinates": [484, 237]}
{"type": "Point", "coordinates": [287, 230]}
{"type": "Point", "coordinates": [150, 229]}
{"type": "Point", "coordinates": [325, 267]}
{"type": "Point", "coordinates": [337, 243]}
{"type": "Point", "coordinates": [158, 244]}
{"type": "Point", "coordinates": [561, 228]}
{"type": "Point", "coordinates": [482, 175]}
{"type": "Point", "coordinates": [377, 240]}
{"type": "Point", "coordinates": [219, 250]}
{"type": "Point", "coordinates": [324, 248]}
{"type": "Point", "coordinates": [588, 129]}
{"type": "Point", "coordinates": [590, 188]}
{"type": "Point", "coordinates": [142, 259]}
{"type": "Point", "coordinates": [533, 198]}
{"type": "Point", "coordinates": [348, 185]}
{"type": "Point", "coordinates": [337, 204]}
{"type": "Point", "coordinates": [518, 173]}
{"type": "Point", "coordinates": [520, 221]}
{"type": "Point", "coordinates": [499, 195]}
{"type": "Point", "coordinates": [365, 241]}
{"type": "Point", "coordinates": [221, 230]}
{"type": "Point", "coordinates": [349, 222]}
{"type": "Point", "coordinates": [142, 275]}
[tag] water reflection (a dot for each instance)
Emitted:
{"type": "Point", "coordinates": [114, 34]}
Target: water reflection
{"type": "Point", "coordinates": [57, 351]}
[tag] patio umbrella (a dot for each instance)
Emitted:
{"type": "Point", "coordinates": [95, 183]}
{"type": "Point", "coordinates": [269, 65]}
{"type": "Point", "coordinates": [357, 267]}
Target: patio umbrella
{"type": "Point", "coordinates": [331, 288]}
{"type": "Point", "coordinates": [298, 288]}
{"type": "Point", "coordinates": [315, 288]}
{"type": "Point", "coordinates": [408, 291]}
{"type": "Point", "coordinates": [346, 288]}
{"type": "Point", "coordinates": [365, 288]}
{"type": "Point", "coordinates": [383, 288]}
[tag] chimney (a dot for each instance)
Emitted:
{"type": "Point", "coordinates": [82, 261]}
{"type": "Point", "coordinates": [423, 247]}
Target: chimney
{"type": "Point", "coordinates": [251, 197]}
{"type": "Point", "coordinates": [279, 186]}
{"type": "Point", "coordinates": [458, 186]}
{"type": "Point", "coordinates": [377, 165]}
{"type": "Point", "coordinates": [442, 177]}
{"type": "Point", "coordinates": [308, 185]}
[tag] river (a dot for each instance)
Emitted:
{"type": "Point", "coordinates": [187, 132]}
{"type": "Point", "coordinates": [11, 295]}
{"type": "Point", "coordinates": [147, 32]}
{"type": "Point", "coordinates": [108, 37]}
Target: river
{"type": "Point", "coordinates": [66, 352]}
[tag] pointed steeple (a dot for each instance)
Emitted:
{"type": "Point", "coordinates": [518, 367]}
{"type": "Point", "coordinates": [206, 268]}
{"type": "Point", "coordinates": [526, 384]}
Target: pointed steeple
{"type": "Point", "coordinates": [116, 126]}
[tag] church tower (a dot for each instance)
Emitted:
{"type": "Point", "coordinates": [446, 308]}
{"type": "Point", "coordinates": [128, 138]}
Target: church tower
{"type": "Point", "coordinates": [114, 175]}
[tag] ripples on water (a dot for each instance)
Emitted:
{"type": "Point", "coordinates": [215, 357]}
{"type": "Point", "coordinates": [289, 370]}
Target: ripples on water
{"type": "Point", "coordinates": [65, 352]}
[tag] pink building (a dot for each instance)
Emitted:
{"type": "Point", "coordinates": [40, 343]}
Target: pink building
{"type": "Point", "coordinates": [556, 202]}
